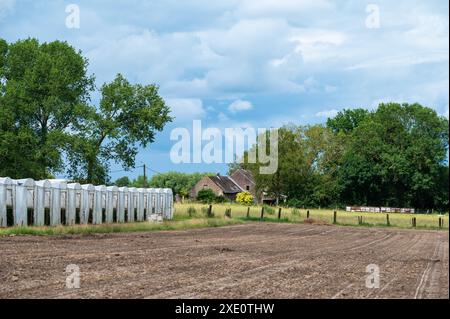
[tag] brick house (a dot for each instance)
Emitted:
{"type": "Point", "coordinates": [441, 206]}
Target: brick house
{"type": "Point", "coordinates": [228, 186]}
{"type": "Point", "coordinates": [244, 178]}
{"type": "Point", "coordinates": [220, 185]}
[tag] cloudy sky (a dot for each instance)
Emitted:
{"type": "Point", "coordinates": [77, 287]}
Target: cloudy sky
{"type": "Point", "coordinates": [257, 63]}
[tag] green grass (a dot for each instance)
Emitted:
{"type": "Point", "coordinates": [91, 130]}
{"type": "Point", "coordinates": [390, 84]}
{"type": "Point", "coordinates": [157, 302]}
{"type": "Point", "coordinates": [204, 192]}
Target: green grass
{"type": "Point", "coordinates": [119, 228]}
{"type": "Point", "coordinates": [192, 215]}
{"type": "Point", "coordinates": [424, 221]}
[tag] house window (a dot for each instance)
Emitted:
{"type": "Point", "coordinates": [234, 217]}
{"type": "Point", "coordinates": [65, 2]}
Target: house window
{"type": "Point", "coordinates": [205, 186]}
{"type": "Point", "coordinates": [247, 187]}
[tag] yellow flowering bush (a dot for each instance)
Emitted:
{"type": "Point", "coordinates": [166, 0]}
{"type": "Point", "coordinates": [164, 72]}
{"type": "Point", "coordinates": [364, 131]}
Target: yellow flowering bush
{"type": "Point", "coordinates": [244, 198]}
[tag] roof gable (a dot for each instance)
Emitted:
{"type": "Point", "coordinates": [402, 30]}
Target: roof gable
{"type": "Point", "coordinates": [245, 173]}
{"type": "Point", "coordinates": [226, 184]}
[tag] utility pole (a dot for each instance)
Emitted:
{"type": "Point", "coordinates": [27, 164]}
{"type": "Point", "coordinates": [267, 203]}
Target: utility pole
{"type": "Point", "coordinates": [145, 175]}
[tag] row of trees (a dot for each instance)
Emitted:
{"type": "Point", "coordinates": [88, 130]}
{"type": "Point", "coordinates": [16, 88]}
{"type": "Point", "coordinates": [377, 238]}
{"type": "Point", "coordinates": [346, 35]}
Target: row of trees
{"type": "Point", "coordinates": [180, 183]}
{"type": "Point", "coordinates": [395, 155]}
{"type": "Point", "coordinates": [47, 122]}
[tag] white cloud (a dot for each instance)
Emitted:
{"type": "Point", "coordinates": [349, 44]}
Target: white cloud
{"type": "Point", "coordinates": [400, 61]}
{"type": "Point", "coordinates": [227, 50]}
{"type": "Point", "coordinates": [185, 110]}
{"type": "Point", "coordinates": [6, 6]}
{"type": "Point", "coordinates": [222, 117]}
{"type": "Point", "coordinates": [283, 8]}
{"type": "Point", "coordinates": [327, 113]}
{"type": "Point", "coordinates": [240, 105]}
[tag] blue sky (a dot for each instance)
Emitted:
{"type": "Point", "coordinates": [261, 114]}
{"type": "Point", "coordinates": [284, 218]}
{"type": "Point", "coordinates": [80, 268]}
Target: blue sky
{"type": "Point", "coordinates": [252, 63]}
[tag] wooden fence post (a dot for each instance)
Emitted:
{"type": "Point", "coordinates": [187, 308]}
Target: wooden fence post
{"type": "Point", "coordinates": [440, 222]}
{"type": "Point", "coordinates": [388, 223]}
{"type": "Point", "coordinates": [334, 217]}
{"type": "Point", "coordinates": [279, 213]}
{"type": "Point", "coordinates": [307, 214]}
{"type": "Point", "coordinates": [413, 221]}
{"type": "Point", "coordinates": [248, 212]}
{"type": "Point", "coordinates": [262, 213]}
{"type": "Point", "coordinates": [210, 210]}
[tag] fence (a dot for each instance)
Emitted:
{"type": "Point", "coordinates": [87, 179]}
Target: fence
{"type": "Point", "coordinates": [379, 209]}
{"type": "Point", "coordinates": [48, 202]}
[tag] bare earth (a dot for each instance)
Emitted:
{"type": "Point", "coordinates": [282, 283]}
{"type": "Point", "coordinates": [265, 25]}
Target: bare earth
{"type": "Point", "coordinates": [256, 260]}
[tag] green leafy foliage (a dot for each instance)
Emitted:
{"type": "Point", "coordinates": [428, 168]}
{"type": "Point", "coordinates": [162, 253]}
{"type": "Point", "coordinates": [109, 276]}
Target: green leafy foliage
{"type": "Point", "coordinates": [206, 195]}
{"type": "Point", "coordinates": [47, 125]}
{"type": "Point", "coordinates": [44, 93]}
{"type": "Point", "coordinates": [395, 156]}
{"type": "Point", "coordinates": [122, 181]}
{"type": "Point", "coordinates": [180, 183]}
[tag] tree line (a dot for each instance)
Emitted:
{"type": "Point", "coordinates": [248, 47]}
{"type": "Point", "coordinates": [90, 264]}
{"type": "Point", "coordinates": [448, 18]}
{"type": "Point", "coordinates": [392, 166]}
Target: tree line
{"type": "Point", "coordinates": [396, 155]}
{"type": "Point", "coordinates": [180, 183]}
{"type": "Point", "coordinates": [48, 124]}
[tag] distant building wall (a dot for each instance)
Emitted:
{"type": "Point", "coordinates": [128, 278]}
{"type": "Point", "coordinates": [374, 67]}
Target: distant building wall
{"type": "Point", "coordinates": [245, 181]}
{"type": "Point", "coordinates": [205, 182]}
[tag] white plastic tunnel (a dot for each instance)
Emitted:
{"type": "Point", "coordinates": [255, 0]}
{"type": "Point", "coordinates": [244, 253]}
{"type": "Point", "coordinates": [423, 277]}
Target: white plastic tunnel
{"type": "Point", "coordinates": [6, 185]}
{"type": "Point", "coordinates": [168, 207]}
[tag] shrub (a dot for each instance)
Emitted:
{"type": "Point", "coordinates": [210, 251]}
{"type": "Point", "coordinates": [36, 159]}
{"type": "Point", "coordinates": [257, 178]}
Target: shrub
{"type": "Point", "coordinates": [220, 199]}
{"type": "Point", "coordinates": [206, 195]}
{"type": "Point", "coordinates": [244, 198]}
{"type": "Point", "coordinates": [207, 213]}
{"type": "Point", "coordinates": [294, 203]}
{"type": "Point", "coordinates": [191, 211]}
{"type": "Point", "coordinates": [269, 210]}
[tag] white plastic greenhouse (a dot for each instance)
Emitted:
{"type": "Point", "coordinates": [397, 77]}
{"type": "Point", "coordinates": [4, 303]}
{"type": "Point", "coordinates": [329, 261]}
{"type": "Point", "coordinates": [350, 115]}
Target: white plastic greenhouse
{"type": "Point", "coordinates": [54, 202]}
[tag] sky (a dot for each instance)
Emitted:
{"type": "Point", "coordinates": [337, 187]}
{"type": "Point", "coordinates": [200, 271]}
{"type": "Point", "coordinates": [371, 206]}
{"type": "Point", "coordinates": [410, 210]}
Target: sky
{"type": "Point", "coordinates": [251, 63]}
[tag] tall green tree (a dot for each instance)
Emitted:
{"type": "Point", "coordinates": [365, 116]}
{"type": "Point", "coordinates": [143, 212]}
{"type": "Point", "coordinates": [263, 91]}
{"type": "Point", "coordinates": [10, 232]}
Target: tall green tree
{"type": "Point", "coordinates": [122, 181]}
{"type": "Point", "coordinates": [305, 157]}
{"type": "Point", "coordinates": [48, 126]}
{"type": "Point", "coordinates": [129, 115]}
{"type": "Point", "coordinates": [44, 94]}
{"type": "Point", "coordinates": [395, 157]}
{"type": "Point", "coordinates": [347, 120]}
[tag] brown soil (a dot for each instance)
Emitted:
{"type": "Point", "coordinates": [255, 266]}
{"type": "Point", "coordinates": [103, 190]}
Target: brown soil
{"type": "Point", "coordinates": [313, 221]}
{"type": "Point", "coordinates": [255, 260]}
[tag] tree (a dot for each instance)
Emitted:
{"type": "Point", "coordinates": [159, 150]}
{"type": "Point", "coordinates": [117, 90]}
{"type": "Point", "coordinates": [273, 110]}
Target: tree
{"type": "Point", "coordinates": [234, 166]}
{"type": "Point", "coordinates": [396, 157]}
{"type": "Point", "coordinates": [47, 125]}
{"type": "Point", "coordinates": [305, 172]}
{"type": "Point", "coordinates": [123, 181]}
{"type": "Point", "coordinates": [347, 120]}
{"type": "Point", "coordinates": [393, 156]}
{"type": "Point", "coordinates": [128, 116]}
{"type": "Point", "coordinates": [180, 183]}
{"type": "Point", "coordinates": [183, 193]}
{"type": "Point", "coordinates": [206, 195]}
{"type": "Point", "coordinates": [140, 181]}
{"type": "Point", "coordinates": [44, 92]}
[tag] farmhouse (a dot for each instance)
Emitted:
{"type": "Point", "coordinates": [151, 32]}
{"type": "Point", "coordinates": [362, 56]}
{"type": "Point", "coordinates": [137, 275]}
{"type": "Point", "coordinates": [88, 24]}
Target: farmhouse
{"type": "Point", "coordinates": [220, 185]}
{"type": "Point", "coordinates": [228, 186]}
